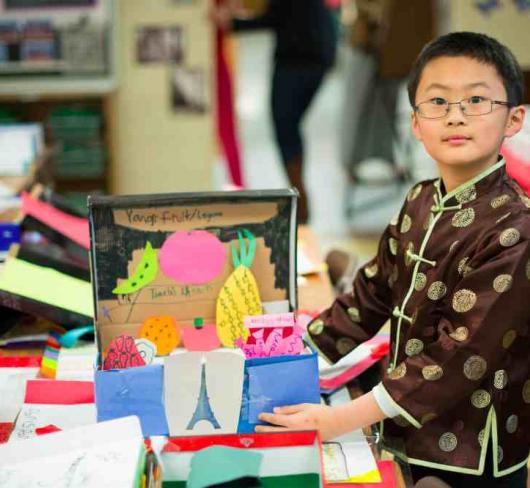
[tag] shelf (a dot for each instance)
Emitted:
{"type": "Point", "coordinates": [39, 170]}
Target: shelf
{"type": "Point", "coordinates": [33, 89]}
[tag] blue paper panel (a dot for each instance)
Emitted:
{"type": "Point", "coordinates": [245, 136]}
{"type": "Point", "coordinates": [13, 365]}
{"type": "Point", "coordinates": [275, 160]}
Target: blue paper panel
{"type": "Point", "coordinates": [277, 381]}
{"type": "Point", "coordinates": [133, 391]}
{"type": "Point", "coordinates": [9, 234]}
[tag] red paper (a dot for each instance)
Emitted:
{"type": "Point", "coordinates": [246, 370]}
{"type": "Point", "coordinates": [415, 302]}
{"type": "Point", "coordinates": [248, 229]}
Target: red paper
{"type": "Point", "coordinates": [75, 228]}
{"type": "Point", "coordinates": [518, 168]}
{"type": "Point", "coordinates": [203, 339]}
{"type": "Point", "coordinates": [58, 392]}
{"type": "Point", "coordinates": [122, 354]}
{"type": "Point", "coordinates": [5, 431]}
{"type": "Point", "coordinates": [48, 429]}
{"type": "Point", "coordinates": [20, 361]}
{"type": "Point", "coordinates": [271, 439]}
{"type": "Point", "coordinates": [388, 478]}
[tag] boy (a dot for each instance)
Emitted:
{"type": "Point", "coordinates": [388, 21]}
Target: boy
{"type": "Point", "coordinates": [452, 273]}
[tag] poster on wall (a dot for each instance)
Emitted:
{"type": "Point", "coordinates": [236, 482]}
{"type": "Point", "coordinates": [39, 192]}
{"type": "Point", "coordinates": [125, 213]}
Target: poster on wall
{"type": "Point", "coordinates": [188, 89]}
{"type": "Point", "coordinates": [160, 44]}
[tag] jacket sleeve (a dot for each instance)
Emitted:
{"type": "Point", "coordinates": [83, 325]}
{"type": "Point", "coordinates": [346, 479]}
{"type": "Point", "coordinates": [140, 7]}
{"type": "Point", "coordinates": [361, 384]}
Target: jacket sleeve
{"type": "Point", "coordinates": [480, 323]}
{"type": "Point", "coordinates": [356, 317]}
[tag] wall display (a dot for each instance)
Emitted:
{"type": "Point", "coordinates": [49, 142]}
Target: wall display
{"type": "Point", "coordinates": [188, 89]}
{"type": "Point", "coordinates": [160, 44]}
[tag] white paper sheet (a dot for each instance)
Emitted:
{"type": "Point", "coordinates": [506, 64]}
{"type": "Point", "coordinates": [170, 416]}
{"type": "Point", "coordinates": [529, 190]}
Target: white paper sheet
{"type": "Point", "coordinates": [182, 390]}
{"type": "Point", "coordinates": [12, 389]}
{"type": "Point", "coordinates": [96, 456]}
{"type": "Point", "coordinates": [34, 416]}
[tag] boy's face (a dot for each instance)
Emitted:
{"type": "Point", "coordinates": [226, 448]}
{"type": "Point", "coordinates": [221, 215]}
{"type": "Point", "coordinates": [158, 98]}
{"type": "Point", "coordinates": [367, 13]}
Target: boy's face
{"type": "Point", "coordinates": [457, 140]}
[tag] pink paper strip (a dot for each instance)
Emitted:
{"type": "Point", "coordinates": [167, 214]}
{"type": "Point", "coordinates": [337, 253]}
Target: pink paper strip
{"type": "Point", "coordinates": [59, 392]}
{"type": "Point", "coordinates": [75, 228]}
{"type": "Point", "coordinates": [270, 320]}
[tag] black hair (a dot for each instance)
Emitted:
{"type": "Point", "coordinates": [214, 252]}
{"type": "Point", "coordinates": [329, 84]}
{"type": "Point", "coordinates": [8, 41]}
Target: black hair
{"type": "Point", "coordinates": [476, 46]}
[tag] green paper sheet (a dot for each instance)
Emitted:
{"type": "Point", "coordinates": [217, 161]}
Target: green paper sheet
{"type": "Point", "coordinates": [220, 464]}
{"type": "Point", "coordinates": [46, 285]}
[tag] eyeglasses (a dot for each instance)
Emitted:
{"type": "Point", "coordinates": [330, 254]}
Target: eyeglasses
{"type": "Point", "coordinates": [438, 107]}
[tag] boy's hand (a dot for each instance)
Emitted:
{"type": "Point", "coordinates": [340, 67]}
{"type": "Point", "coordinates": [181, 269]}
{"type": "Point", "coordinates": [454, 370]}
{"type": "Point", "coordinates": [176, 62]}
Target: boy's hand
{"type": "Point", "coordinates": [305, 416]}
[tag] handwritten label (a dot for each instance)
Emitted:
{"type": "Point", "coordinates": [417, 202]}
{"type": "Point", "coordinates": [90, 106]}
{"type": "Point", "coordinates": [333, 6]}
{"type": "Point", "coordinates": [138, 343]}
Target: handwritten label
{"type": "Point", "coordinates": [270, 320]}
{"type": "Point", "coordinates": [176, 217]}
{"type": "Point", "coordinates": [164, 217]}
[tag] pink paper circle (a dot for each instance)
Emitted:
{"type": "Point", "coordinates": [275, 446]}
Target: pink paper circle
{"type": "Point", "coordinates": [192, 258]}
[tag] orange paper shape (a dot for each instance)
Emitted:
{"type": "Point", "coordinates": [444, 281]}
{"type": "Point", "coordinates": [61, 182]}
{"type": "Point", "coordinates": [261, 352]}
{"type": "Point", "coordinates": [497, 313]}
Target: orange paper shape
{"type": "Point", "coordinates": [163, 331]}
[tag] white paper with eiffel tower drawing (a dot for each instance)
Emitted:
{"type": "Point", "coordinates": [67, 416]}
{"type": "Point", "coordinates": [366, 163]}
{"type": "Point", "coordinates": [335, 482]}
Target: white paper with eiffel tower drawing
{"type": "Point", "coordinates": [203, 391]}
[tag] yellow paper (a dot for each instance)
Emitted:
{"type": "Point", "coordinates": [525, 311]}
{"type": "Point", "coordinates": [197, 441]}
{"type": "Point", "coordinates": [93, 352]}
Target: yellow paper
{"type": "Point", "coordinates": [238, 297]}
{"type": "Point", "coordinates": [46, 285]}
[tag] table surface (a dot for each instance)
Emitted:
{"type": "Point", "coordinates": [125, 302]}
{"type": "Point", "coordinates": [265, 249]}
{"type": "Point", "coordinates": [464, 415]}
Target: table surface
{"type": "Point", "coordinates": [315, 291]}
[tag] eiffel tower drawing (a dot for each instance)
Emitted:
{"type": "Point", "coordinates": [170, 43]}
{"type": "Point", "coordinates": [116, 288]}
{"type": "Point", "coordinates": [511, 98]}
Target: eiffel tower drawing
{"type": "Point", "coordinates": [203, 410]}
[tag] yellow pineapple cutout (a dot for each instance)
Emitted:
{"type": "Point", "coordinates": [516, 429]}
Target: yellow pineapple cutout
{"type": "Point", "coordinates": [239, 296]}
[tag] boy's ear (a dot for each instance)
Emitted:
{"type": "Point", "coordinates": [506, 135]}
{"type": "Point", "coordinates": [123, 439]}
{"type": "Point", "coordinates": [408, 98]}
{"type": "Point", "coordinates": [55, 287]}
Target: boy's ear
{"type": "Point", "coordinates": [515, 121]}
{"type": "Point", "coordinates": [415, 125]}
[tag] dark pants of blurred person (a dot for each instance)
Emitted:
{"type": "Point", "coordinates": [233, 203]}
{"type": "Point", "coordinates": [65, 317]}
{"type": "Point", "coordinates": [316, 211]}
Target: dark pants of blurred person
{"type": "Point", "coordinates": [293, 89]}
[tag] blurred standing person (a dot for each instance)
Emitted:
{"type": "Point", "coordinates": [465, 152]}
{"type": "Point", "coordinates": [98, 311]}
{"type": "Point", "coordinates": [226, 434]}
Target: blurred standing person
{"type": "Point", "coordinates": [306, 38]}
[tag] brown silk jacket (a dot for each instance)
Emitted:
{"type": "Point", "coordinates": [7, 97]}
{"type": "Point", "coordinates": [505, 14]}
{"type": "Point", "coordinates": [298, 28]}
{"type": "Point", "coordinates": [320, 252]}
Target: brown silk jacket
{"type": "Point", "coordinates": [452, 273]}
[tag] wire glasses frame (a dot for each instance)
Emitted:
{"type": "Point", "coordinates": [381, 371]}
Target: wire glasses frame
{"type": "Point", "coordinates": [430, 110]}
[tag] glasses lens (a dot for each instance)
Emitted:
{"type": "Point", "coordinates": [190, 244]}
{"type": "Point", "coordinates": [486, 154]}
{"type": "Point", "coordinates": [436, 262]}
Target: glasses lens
{"type": "Point", "coordinates": [431, 110]}
{"type": "Point", "coordinates": [476, 106]}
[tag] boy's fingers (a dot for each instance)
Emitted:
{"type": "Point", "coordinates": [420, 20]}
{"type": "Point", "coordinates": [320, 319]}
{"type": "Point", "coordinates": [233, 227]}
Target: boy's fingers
{"type": "Point", "coordinates": [272, 418]}
{"type": "Point", "coordinates": [269, 428]}
{"type": "Point", "coordinates": [289, 409]}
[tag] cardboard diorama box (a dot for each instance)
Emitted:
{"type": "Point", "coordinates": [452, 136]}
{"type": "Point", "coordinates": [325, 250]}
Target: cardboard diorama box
{"type": "Point", "coordinates": [191, 259]}
{"type": "Point", "coordinates": [192, 296]}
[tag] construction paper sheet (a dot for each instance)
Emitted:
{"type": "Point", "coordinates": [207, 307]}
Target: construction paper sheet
{"type": "Point", "coordinates": [239, 295]}
{"type": "Point", "coordinates": [144, 273]}
{"type": "Point", "coordinates": [203, 339]}
{"type": "Point", "coordinates": [163, 331]}
{"type": "Point", "coordinates": [203, 392]}
{"type": "Point", "coordinates": [12, 388]}
{"type": "Point", "coordinates": [134, 391]}
{"type": "Point", "coordinates": [270, 320]}
{"type": "Point", "coordinates": [146, 349]}
{"type": "Point", "coordinates": [289, 459]}
{"type": "Point", "coordinates": [220, 464]}
{"type": "Point", "coordinates": [122, 353]}
{"type": "Point", "coordinates": [279, 384]}
{"type": "Point", "coordinates": [194, 257]}
{"type": "Point", "coordinates": [387, 472]}
{"type": "Point", "coordinates": [75, 228]}
{"type": "Point", "coordinates": [46, 285]}
{"type": "Point", "coordinates": [77, 363]}
{"type": "Point", "coordinates": [53, 392]}
{"type": "Point", "coordinates": [272, 335]}
{"type": "Point", "coordinates": [33, 416]}
{"type": "Point", "coordinates": [93, 456]}
{"type": "Point", "coordinates": [350, 462]}
{"type": "Point", "coordinates": [353, 364]}
{"type": "Point", "coordinates": [48, 429]}
{"type": "Point", "coordinates": [5, 431]}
